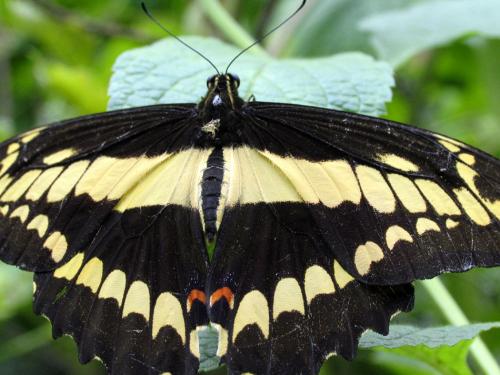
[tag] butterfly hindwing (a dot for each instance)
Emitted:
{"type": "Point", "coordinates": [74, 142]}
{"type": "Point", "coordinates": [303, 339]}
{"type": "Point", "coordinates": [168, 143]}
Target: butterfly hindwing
{"type": "Point", "coordinates": [281, 301]}
{"type": "Point", "coordinates": [135, 297]}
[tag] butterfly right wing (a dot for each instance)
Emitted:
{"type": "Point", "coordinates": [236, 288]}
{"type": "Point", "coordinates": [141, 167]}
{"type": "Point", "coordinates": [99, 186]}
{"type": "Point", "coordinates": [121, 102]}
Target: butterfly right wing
{"type": "Point", "coordinates": [102, 209]}
{"type": "Point", "coordinates": [58, 184]}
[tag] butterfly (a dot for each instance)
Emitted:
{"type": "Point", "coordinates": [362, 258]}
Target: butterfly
{"type": "Point", "coordinates": [319, 221]}
{"type": "Point", "coordinates": [289, 229]}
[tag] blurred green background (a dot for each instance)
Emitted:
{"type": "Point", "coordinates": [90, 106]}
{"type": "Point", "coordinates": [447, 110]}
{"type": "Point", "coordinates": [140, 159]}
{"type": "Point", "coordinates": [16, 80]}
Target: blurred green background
{"type": "Point", "coordinates": [55, 62]}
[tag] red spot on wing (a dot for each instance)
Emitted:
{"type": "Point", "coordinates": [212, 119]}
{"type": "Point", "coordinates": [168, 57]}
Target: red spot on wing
{"type": "Point", "coordinates": [224, 292]}
{"type": "Point", "coordinates": [194, 295]}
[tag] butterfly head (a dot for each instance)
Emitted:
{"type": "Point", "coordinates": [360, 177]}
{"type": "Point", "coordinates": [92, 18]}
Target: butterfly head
{"type": "Point", "coordinates": [222, 93]}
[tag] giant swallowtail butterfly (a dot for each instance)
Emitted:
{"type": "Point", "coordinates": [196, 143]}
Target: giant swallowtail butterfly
{"type": "Point", "coordinates": [319, 220]}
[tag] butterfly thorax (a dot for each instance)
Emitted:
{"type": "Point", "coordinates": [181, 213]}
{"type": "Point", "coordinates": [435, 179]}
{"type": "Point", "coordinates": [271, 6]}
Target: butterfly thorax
{"type": "Point", "coordinates": [219, 108]}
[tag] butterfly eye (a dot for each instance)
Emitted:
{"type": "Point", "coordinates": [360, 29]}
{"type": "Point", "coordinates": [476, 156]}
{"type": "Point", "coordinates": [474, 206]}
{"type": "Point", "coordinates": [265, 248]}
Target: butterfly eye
{"type": "Point", "coordinates": [235, 79]}
{"type": "Point", "coordinates": [211, 81]}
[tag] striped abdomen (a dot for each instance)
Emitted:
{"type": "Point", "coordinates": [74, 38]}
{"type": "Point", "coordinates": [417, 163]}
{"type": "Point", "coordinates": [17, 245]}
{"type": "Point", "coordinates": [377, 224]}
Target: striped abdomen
{"type": "Point", "coordinates": [211, 186]}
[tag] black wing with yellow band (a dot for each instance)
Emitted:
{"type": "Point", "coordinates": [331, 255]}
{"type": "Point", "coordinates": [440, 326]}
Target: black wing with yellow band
{"type": "Point", "coordinates": [327, 217]}
{"type": "Point", "coordinates": [114, 268]}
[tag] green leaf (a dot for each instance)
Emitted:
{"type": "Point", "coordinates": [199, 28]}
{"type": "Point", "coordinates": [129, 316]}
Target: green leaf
{"type": "Point", "coordinates": [398, 35]}
{"type": "Point", "coordinates": [332, 26]}
{"type": "Point", "coordinates": [443, 349]}
{"type": "Point", "coordinates": [208, 339]}
{"type": "Point", "coordinates": [401, 335]}
{"type": "Point", "coordinates": [167, 72]}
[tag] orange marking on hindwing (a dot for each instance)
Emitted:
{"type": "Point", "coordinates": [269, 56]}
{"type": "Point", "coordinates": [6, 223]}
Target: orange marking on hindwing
{"type": "Point", "coordinates": [224, 292]}
{"type": "Point", "coordinates": [194, 295]}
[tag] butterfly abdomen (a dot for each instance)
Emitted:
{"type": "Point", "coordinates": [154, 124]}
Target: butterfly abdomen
{"type": "Point", "coordinates": [211, 187]}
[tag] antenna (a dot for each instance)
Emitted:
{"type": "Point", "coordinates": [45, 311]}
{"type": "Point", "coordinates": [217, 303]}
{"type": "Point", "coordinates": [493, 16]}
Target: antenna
{"type": "Point", "coordinates": [266, 34]}
{"type": "Point", "coordinates": [148, 13]}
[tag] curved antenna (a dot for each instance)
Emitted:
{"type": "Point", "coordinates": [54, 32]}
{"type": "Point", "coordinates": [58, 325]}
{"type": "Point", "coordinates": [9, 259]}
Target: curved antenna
{"type": "Point", "coordinates": [148, 13]}
{"type": "Point", "coordinates": [266, 34]}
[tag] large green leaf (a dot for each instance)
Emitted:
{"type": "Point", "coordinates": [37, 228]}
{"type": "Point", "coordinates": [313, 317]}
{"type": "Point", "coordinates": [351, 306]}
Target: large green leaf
{"type": "Point", "coordinates": [401, 335]}
{"type": "Point", "coordinates": [398, 35]}
{"type": "Point", "coordinates": [333, 26]}
{"type": "Point", "coordinates": [167, 72]}
{"type": "Point", "coordinates": [443, 350]}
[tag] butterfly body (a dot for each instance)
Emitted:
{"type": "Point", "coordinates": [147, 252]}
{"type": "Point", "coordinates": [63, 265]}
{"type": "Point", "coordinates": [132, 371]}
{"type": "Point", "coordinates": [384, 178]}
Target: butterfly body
{"type": "Point", "coordinates": [319, 219]}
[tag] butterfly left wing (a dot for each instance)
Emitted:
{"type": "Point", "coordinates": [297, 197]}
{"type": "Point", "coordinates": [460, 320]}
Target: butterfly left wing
{"type": "Point", "coordinates": [328, 216]}
{"type": "Point", "coordinates": [102, 208]}
{"type": "Point", "coordinates": [280, 302]}
{"type": "Point", "coordinates": [395, 203]}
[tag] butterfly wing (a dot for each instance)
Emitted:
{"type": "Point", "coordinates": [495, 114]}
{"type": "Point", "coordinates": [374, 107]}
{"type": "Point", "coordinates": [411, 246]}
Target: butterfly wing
{"type": "Point", "coordinates": [101, 209]}
{"type": "Point", "coordinates": [328, 216]}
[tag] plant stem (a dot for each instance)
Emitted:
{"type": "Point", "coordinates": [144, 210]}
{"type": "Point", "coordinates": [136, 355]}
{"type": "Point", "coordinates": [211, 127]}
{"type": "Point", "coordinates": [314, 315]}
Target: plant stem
{"type": "Point", "coordinates": [454, 314]}
{"type": "Point", "coordinates": [225, 23]}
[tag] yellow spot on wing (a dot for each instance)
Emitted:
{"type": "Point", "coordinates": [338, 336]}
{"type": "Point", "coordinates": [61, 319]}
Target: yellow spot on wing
{"type": "Point", "coordinates": [138, 300]}
{"type": "Point", "coordinates": [57, 244]}
{"type": "Point", "coordinates": [7, 162]}
{"type": "Point", "coordinates": [438, 198]}
{"type": "Point", "coordinates": [70, 269]}
{"type": "Point", "coordinates": [91, 275]}
{"type": "Point", "coordinates": [375, 189]}
{"type": "Point", "coordinates": [29, 136]}
{"type": "Point", "coordinates": [168, 312]}
{"type": "Point", "coordinates": [287, 297]}
{"type": "Point", "coordinates": [175, 180]}
{"type": "Point", "coordinates": [114, 286]}
{"type": "Point", "coordinates": [111, 178]}
{"type": "Point", "coordinates": [4, 210]}
{"type": "Point", "coordinates": [395, 234]}
{"type": "Point", "coordinates": [407, 193]}
{"type": "Point", "coordinates": [398, 162]}
{"type": "Point", "coordinates": [40, 223]}
{"type": "Point", "coordinates": [42, 183]}
{"type": "Point", "coordinates": [426, 225]}
{"type": "Point", "coordinates": [317, 281]}
{"type": "Point", "coordinates": [66, 181]}
{"type": "Point", "coordinates": [59, 156]}
{"type": "Point", "coordinates": [254, 178]}
{"type": "Point", "coordinates": [341, 276]}
{"type": "Point", "coordinates": [450, 224]}
{"type": "Point", "coordinates": [260, 176]}
{"type": "Point", "coordinates": [450, 146]}
{"type": "Point", "coordinates": [467, 158]}
{"type": "Point", "coordinates": [13, 147]}
{"type": "Point", "coordinates": [19, 187]}
{"type": "Point", "coordinates": [22, 212]}
{"type": "Point", "coordinates": [472, 207]}
{"type": "Point", "coordinates": [469, 175]}
{"type": "Point", "coordinates": [367, 254]}
{"type": "Point", "coordinates": [4, 182]}
{"type": "Point", "coordinates": [253, 309]}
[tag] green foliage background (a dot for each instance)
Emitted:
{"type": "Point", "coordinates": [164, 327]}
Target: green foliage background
{"type": "Point", "coordinates": [56, 59]}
